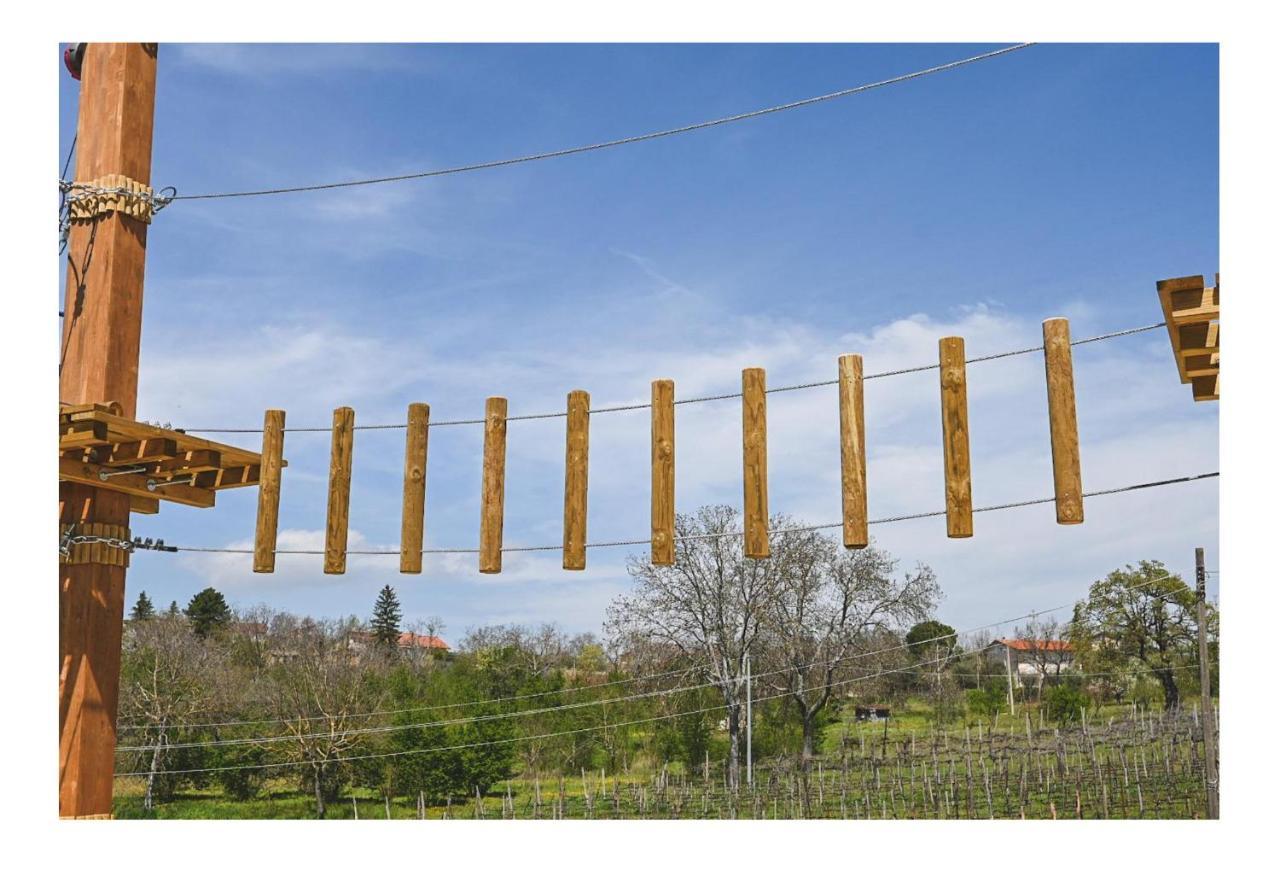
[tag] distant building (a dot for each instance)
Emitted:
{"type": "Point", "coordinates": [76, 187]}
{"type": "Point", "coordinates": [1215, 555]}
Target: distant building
{"type": "Point", "coordinates": [408, 640]}
{"type": "Point", "coordinates": [1032, 658]}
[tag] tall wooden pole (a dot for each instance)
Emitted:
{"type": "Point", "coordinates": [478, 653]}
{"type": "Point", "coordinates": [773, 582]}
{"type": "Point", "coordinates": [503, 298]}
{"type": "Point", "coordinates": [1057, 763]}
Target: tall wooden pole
{"type": "Point", "coordinates": [1207, 719]}
{"type": "Point", "coordinates": [101, 335]}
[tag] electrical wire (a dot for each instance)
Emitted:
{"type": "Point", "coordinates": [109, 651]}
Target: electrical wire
{"type": "Point", "coordinates": [955, 635]}
{"type": "Point", "coordinates": [599, 146]}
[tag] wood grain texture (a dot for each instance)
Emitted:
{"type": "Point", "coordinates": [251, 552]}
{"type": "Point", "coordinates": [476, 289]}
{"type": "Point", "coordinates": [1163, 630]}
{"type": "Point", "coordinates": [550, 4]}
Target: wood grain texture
{"type": "Point", "coordinates": [335, 526]}
{"type": "Point", "coordinates": [662, 500]}
{"type": "Point", "coordinates": [955, 437]}
{"type": "Point", "coordinates": [853, 452]}
{"type": "Point", "coordinates": [1064, 437]}
{"type": "Point", "coordinates": [755, 466]}
{"type": "Point", "coordinates": [413, 510]}
{"type": "Point", "coordinates": [577, 430]}
{"type": "Point", "coordinates": [101, 336]}
{"type": "Point", "coordinates": [492, 490]}
{"type": "Point", "coordinates": [264, 534]}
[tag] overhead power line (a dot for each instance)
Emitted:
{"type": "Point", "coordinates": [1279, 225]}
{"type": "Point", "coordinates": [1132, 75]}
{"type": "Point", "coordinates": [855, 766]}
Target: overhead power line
{"type": "Point", "coordinates": [545, 736]}
{"type": "Point", "coordinates": [954, 635]}
{"type": "Point", "coordinates": [612, 143]}
{"type": "Point", "coordinates": [777, 531]}
{"type": "Point", "coordinates": [698, 399]}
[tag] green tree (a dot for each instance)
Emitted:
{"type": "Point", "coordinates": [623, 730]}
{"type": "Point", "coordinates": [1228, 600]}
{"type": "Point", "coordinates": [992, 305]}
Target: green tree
{"type": "Point", "coordinates": [143, 608]}
{"type": "Point", "coordinates": [386, 619]}
{"type": "Point", "coordinates": [208, 612]}
{"type": "Point", "coordinates": [1141, 616]}
{"type": "Point", "coordinates": [931, 640]}
{"type": "Point", "coordinates": [173, 609]}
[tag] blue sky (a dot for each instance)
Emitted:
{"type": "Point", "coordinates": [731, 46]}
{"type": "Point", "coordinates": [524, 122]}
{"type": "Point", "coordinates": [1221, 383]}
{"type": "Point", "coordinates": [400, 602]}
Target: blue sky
{"type": "Point", "coordinates": [1059, 180]}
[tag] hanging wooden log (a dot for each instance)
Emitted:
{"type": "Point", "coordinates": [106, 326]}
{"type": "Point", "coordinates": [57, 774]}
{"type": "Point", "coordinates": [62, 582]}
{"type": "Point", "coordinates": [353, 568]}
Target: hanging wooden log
{"type": "Point", "coordinates": [755, 466]}
{"type": "Point", "coordinates": [853, 452]}
{"type": "Point", "coordinates": [1064, 437]}
{"type": "Point", "coordinates": [493, 484]}
{"type": "Point", "coordinates": [264, 535]}
{"type": "Point", "coordinates": [575, 480]}
{"type": "Point", "coordinates": [662, 545]}
{"type": "Point", "coordinates": [335, 533]}
{"type": "Point", "coordinates": [955, 437]}
{"type": "Point", "coordinates": [413, 510]}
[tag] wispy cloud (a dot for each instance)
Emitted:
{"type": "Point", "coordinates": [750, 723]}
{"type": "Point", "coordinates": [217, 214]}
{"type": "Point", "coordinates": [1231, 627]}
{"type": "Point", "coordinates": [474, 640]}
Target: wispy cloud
{"type": "Point", "coordinates": [258, 59]}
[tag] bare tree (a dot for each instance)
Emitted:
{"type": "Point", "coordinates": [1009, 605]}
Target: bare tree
{"type": "Point", "coordinates": [320, 688]}
{"type": "Point", "coordinates": [1048, 649]}
{"type": "Point", "coordinates": [710, 605]}
{"type": "Point", "coordinates": [831, 606]}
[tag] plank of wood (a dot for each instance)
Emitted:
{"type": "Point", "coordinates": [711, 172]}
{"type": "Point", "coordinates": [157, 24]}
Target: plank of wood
{"type": "Point", "coordinates": [231, 477]}
{"type": "Point", "coordinates": [75, 471]}
{"type": "Point", "coordinates": [662, 499]}
{"type": "Point", "coordinates": [1202, 364]}
{"type": "Point", "coordinates": [122, 429]}
{"type": "Point", "coordinates": [853, 452]}
{"type": "Point", "coordinates": [413, 509]}
{"type": "Point", "coordinates": [955, 437]}
{"type": "Point", "coordinates": [1064, 438]}
{"type": "Point", "coordinates": [79, 435]}
{"type": "Point", "coordinates": [493, 484]}
{"type": "Point", "coordinates": [755, 466]}
{"type": "Point", "coordinates": [134, 452]}
{"type": "Point", "coordinates": [189, 462]}
{"type": "Point", "coordinates": [268, 519]}
{"type": "Point", "coordinates": [577, 425]}
{"type": "Point", "coordinates": [1205, 388]}
{"type": "Point", "coordinates": [140, 505]}
{"type": "Point", "coordinates": [335, 527]}
{"type": "Point", "coordinates": [1196, 338]}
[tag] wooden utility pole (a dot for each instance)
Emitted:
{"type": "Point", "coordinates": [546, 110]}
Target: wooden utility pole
{"type": "Point", "coordinates": [101, 334]}
{"type": "Point", "coordinates": [1008, 664]}
{"type": "Point", "coordinates": [1207, 719]}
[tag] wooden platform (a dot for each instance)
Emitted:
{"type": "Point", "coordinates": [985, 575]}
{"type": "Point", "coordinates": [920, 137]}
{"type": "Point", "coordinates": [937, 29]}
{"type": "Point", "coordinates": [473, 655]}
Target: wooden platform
{"type": "Point", "coordinates": [98, 447]}
{"type": "Point", "coordinates": [1191, 313]}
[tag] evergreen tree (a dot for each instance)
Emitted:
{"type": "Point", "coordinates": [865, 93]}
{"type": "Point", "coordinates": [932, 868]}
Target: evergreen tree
{"type": "Point", "coordinates": [143, 608]}
{"type": "Point", "coordinates": [208, 612]}
{"type": "Point", "coordinates": [173, 609]}
{"type": "Point", "coordinates": [386, 619]}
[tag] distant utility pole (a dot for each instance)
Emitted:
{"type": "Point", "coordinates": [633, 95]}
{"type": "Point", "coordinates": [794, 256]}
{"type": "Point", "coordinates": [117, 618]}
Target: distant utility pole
{"type": "Point", "coordinates": [1207, 718]}
{"type": "Point", "coordinates": [101, 334]}
{"type": "Point", "coordinates": [748, 719]}
{"type": "Point", "coordinates": [1008, 665]}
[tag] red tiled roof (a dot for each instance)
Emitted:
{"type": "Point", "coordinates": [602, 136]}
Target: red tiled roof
{"type": "Point", "coordinates": [1026, 645]}
{"type": "Point", "coordinates": [422, 641]}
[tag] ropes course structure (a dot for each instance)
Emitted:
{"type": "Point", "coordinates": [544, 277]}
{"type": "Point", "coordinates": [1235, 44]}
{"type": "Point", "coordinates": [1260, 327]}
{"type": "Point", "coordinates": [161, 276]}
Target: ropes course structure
{"type": "Point", "coordinates": [112, 465]}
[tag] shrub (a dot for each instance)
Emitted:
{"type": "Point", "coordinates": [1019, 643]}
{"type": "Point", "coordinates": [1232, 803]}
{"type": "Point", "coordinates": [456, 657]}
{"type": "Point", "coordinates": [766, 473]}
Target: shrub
{"type": "Point", "coordinates": [1062, 704]}
{"type": "Point", "coordinates": [987, 701]}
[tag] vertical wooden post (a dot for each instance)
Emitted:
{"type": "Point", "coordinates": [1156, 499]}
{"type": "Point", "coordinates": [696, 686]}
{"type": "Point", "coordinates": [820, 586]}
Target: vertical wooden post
{"type": "Point", "coordinates": [264, 535]}
{"type": "Point", "coordinates": [955, 437]}
{"type": "Point", "coordinates": [755, 466]}
{"type": "Point", "coordinates": [412, 521]}
{"type": "Point", "coordinates": [853, 452]}
{"type": "Point", "coordinates": [1064, 438]}
{"type": "Point", "coordinates": [1208, 721]}
{"type": "Point", "coordinates": [335, 529]}
{"type": "Point", "coordinates": [575, 480]}
{"type": "Point", "coordinates": [662, 546]}
{"type": "Point", "coordinates": [101, 335]}
{"type": "Point", "coordinates": [493, 484]}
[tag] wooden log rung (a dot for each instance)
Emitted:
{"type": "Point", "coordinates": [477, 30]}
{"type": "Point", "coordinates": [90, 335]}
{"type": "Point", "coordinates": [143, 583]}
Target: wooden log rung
{"type": "Point", "coordinates": [268, 520]}
{"type": "Point", "coordinates": [755, 466]}
{"type": "Point", "coordinates": [339, 505]}
{"type": "Point", "coordinates": [577, 432]}
{"type": "Point", "coordinates": [413, 509]}
{"type": "Point", "coordinates": [1064, 437]}
{"type": "Point", "coordinates": [955, 437]}
{"type": "Point", "coordinates": [662, 500]}
{"type": "Point", "coordinates": [493, 484]}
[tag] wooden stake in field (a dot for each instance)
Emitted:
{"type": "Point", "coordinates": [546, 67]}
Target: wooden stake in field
{"type": "Point", "coordinates": [662, 545]}
{"type": "Point", "coordinates": [575, 480]}
{"type": "Point", "coordinates": [264, 538]}
{"type": "Point", "coordinates": [493, 484]}
{"type": "Point", "coordinates": [755, 466]}
{"type": "Point", "coordinates": [955, 437]}
{"type": "Point", "coordinates": [335, 529]}
{"type": "Point", "coordinates": [413, 511]}
{"type": "Point", "coordinates": [101, 335]}
{"type": "Point", "coordinates": [1064, 437]}
{"type": "Point", "coordinates": [853, 452]}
